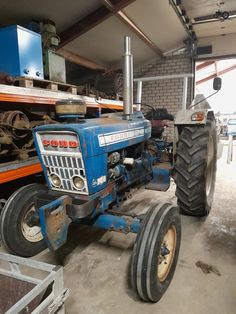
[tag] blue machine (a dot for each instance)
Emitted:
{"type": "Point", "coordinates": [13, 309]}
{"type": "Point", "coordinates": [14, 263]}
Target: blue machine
{"type": "Point", "coordinates": [89, 165]}
{"type": "Point", "coordinates": [21, 52]}
{"type": "Point", "coordinates": [93, 159]}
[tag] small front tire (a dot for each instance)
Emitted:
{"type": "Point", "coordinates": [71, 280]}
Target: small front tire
{"type": "Point", "coordinates": [17, 234]}
{"type": "Point", "coordinates": [155, 252]}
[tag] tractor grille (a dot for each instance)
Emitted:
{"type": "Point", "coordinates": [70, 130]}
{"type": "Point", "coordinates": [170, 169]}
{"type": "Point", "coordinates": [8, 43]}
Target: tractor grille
{"type": "Point", "coordinates": [61, 156]}
{"type": "Point", "coordinates": [66, 167]}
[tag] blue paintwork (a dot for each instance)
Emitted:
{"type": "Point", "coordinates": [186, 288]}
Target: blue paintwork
{"type": "Point", "coordinates": [88, 131]}
{"type": "Point", "coordinates": [105, 201]}
{"type": "Point", "coordinates": [141, 170]}
{"type": "Point", "coordinates": [161, 179]}
{"type": "Point", "coordinates": [95, 159]}
{"type": "Point", "coordinates": [116, 223]}
{"type": "Point", "coordinates": [161, 146]}
{"type": "Point", "coordinates": [21, 52]}
{"type": "Point", "coordinates": [41, 161]}
{"type": "Point", "coordinates": [54, 237]}
{"type": "Point", "coordinates": [95, 167]}
{"type": "Point", "coordinates": [71, 116]}
{"type": "Point", "coordinates": [95, 156]}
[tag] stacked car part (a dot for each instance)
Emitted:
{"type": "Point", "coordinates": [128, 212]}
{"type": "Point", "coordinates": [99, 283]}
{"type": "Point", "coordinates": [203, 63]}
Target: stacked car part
{"type": "Point", "coordinates": [16, 141]}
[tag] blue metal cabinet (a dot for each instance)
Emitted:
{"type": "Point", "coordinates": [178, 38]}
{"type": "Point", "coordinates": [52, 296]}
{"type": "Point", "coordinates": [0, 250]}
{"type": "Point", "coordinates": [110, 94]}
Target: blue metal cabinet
{"type": "Point", "coordinates": [21, 52]}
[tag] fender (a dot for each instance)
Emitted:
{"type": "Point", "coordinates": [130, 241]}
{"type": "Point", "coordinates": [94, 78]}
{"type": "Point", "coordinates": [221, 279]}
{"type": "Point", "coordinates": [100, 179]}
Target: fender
{"type": "Point", "coordinates": [191, 116]}
{"type": "Point", "coordinates": [197, 114]}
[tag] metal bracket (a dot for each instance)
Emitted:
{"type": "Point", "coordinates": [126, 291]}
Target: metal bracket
{"type": "Point", "coordinates": [58, 302]}
{"type": "Point", "coordinates": [160, 180]}
{"type": "Point", "coordinates": [54, 222]}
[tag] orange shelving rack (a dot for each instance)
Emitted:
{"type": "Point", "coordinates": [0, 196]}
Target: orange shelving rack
{"type": "Point", "coordinates": [37, 96]}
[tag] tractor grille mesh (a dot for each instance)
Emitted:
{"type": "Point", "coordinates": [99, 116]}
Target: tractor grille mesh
{"type": "Point", "coordinates": [66, 167]}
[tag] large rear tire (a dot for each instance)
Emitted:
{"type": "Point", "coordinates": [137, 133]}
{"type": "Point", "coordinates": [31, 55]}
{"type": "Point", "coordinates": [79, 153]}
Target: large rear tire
{"type": "Point", "coordinates": [195, 168]}
{"type": "Point", "coordinates": [19, 236]}
{"type": "Point", "coordinates": [155, 252]}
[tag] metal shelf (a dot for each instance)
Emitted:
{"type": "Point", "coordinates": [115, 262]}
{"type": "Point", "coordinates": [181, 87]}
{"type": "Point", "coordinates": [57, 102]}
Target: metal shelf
{"type": "Point", "coordinates": [17, 170]}
{"type": "Point", "coordinates": [40, 96]}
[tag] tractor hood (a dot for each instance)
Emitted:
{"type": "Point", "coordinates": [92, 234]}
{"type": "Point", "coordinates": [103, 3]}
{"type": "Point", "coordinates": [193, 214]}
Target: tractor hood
{"type": "Point", "coordinates": [106, 134]}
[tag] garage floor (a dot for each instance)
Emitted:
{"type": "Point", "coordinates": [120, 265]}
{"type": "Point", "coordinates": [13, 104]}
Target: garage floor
{"type": "Point", "coordinates": [96, 263]}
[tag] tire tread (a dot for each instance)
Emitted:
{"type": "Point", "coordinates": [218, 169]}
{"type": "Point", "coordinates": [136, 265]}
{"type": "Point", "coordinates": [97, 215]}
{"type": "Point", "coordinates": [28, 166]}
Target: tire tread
{"type": "Point", "coordinates": [191, 163]}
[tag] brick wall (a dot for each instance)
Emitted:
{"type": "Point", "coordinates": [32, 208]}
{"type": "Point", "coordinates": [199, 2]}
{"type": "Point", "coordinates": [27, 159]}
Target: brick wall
{"type": "Point", "coordinates": [165, 93]}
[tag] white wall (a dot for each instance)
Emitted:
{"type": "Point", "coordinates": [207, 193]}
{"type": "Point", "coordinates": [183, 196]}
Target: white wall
{"type": "Point", "coordinates": [221, 45]}
{"type": "Point", "coordinates": [165, 93]}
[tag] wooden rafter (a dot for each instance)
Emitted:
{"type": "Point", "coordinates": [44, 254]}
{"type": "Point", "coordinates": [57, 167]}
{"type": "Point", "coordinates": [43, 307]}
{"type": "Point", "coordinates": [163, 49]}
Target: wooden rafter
{"type": "Point", "coordinates": [74, 58]}
{"type": "Point", "coordinates": [125, 19]}
{"type": "Point", "coordinates": [204, 65]}
{"type": "Point", "coordinates": [212, 76]}
{"type": "Point", "coordinates": [91, 20]}
{"type": "Point", "coordinates": [216, 67]}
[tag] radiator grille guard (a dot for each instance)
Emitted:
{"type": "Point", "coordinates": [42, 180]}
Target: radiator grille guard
{"type": "Point", "coordinates": [61, 156]}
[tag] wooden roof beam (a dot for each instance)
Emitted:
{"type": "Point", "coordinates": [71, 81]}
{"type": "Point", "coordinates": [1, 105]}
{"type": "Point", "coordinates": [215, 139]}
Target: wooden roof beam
{"type": "Point", "coordinates": [222, 72]}
{"type": "Point", "coordinates": [74, 58]}
{"type": "Point", "coordinates": [216, 68]}
{"type": "Point", "coordinates": [91, 20]}
{"type": "Point", "coordinates": [125, 19]}
{"type": "Point", "coordinates": [204, 65]}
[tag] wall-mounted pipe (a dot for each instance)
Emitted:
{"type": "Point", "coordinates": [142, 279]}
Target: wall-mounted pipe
{"type": "Point", "coordinates": [127, 79]}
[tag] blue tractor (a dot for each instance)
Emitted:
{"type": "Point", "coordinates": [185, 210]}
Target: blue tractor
{"type": "Point", "coordinates": [89, 164]}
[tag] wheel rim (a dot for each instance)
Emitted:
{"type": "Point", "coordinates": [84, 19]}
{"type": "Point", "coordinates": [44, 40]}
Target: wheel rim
{"type": "Point", "coordinates": [167, 253]}
{"type": "Point", "coordinates": [31, 233]}
{"type": "Point", "coordinates": [210, 165]}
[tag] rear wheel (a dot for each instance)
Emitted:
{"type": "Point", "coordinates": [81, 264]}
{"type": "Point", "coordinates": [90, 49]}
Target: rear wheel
{"type": "Point", "coordinates": [20, 232]}
{"type": "Point", "coordinates": [155, 252]}
{"type": "Point", "coordinates": [195, 169]}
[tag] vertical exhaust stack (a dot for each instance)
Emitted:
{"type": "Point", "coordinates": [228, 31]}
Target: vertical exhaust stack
{"type": "Point", "coordinates": [127, 79]}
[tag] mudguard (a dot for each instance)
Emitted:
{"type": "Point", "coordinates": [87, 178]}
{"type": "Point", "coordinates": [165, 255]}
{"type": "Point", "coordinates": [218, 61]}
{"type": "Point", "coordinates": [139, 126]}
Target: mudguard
{"type": "Point", "coordinates": [185, 116]}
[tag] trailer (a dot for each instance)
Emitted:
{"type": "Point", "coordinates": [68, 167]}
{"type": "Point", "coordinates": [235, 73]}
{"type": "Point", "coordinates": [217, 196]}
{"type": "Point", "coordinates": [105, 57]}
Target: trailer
{"type": "Point", "coordinates": [29, 286]}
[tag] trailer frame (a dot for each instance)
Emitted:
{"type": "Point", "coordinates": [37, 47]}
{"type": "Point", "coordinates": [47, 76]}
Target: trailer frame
{"type": "Point", "coordinates": [54, 302]}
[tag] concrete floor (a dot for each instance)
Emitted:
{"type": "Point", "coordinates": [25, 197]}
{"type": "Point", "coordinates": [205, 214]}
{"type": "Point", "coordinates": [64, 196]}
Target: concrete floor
{"type": "Point", "coordinates": [96, 263]}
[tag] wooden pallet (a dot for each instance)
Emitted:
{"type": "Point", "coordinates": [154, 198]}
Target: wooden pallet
{"type": "Point", "coordinates": [45, 84]}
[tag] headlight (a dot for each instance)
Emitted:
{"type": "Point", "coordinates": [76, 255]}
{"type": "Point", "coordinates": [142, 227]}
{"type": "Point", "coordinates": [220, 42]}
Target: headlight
{"type": "Point", "coordinates": [78, 183]}
{"type": "Point", "coordinates": [198, 116]}
{"type": "Point", "coordinates": [55, 180]}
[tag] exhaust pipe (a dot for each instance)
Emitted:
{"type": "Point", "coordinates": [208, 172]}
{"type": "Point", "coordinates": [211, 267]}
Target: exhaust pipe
{"type": "Point", "coordinates": [127, 79]}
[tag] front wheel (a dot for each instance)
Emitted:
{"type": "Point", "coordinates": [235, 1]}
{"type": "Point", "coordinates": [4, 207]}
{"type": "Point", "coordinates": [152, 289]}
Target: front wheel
{"type": "Point", "coordinates": [20, 233]}
{"type": "Point", "coordinates": [155, 252]}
